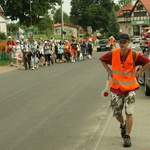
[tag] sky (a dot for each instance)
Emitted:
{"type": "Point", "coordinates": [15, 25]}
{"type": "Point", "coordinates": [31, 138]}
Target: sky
{"type": "Point", "coordinates": [66, 5]}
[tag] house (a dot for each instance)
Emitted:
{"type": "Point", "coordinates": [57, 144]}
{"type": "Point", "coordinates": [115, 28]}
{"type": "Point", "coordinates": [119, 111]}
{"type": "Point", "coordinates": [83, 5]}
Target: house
{"type": "Point", "coordinates": [124, 19]}
{"type": "Point", "coordinates": [134, 17]}
{"type": "Point", "coordinates": [70, 29]}
{"type": "Point", "coordinates": [3, 22]}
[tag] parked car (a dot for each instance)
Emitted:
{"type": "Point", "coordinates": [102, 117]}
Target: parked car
{"type": "Point", "coordinates": [144, 78]}
{"type": "Point", "coordinates": [136, 39]}
{"type": "Point", "coordinates": [142, 43]}
{"type": "Point", "coordinates": [103, 44]}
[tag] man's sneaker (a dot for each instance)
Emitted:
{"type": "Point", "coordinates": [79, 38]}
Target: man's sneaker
{"type": "Point", "coordinates": [127, 141]}
{"type": "Point", "coordinates": [123, 130]}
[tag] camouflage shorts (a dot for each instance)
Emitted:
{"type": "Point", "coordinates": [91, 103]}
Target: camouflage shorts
{"type": "Point", "coordinates": [118, 102]}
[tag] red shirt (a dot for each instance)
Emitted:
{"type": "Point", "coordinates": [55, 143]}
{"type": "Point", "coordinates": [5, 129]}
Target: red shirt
{"type": "Point", "coordinates": [107, 58]}
{"type": "Point", "coordinates": [9, 45]}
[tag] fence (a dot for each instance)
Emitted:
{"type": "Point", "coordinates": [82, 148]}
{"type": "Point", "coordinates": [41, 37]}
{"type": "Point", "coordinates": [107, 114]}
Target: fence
{"type": "Point", "coordinates": [4, 58]}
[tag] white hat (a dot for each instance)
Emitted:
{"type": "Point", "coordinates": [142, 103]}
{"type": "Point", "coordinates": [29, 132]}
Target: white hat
{"type": "Point", "coordinates": [17, 41]}
{"type": "Point", "coordinates": [9, 37]}
{"type": "Point", "coordinates": [45, 42]}
{"type": "Point", "coordinates": [90, 40]}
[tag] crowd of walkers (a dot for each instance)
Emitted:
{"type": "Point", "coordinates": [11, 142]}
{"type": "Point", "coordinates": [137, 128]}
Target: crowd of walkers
{"type": "Point", "coordinates": [32, 53]}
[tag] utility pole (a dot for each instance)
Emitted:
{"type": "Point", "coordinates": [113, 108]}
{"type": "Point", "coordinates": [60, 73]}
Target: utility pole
{"type": "Point", "coordinates": [30, 13]}
{"type": "Point", "coordinates": [62, 21]}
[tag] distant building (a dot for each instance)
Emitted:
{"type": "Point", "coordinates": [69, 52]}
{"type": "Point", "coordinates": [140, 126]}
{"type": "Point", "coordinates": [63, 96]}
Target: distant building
{"type": "Point", "coordinates": [134, 17]}
{"type": "Point", "coordinates": [3, 22]}
{"type": "Point", "coordinates": [70, 29]}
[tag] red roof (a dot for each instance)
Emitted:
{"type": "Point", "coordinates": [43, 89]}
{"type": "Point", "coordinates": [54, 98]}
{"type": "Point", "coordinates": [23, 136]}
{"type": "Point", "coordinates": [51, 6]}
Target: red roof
{"type": "Point", "coordinates": [65, 24]}
{"type": "Point", "coordinates": [146, 4]}
{"type": "Point", "coordinates": [125, 8]}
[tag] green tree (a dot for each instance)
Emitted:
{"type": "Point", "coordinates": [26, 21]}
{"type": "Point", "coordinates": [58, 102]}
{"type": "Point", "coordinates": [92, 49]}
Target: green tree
{"type": "Point", "coordinates": [45, 25]}
{"type": "Point", "coordinates": [57, 16]}
{"type": "Point", "coordinates": [78, 12]}
{"type": "Point", "coordinates": [113, 25]}
{"type": "Point", "coordinates": [23, 10]}
{"type": "Point", "coordinates": [123, 3]}
{"type": "Point", "coordinates": [13, 27]}
{"type": "Point", "coordinates": [91, 13]}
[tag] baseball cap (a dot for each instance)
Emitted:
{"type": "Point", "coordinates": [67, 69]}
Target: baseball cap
{"type": "Point", "coordinates": [9, 37]}
{"type": "Point", "coordinates": [124, 37]}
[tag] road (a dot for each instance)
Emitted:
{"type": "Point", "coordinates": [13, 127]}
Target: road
{"type": "Point", "coordinates": [53, 108]}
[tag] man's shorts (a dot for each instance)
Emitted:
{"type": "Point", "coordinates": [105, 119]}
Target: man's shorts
{"type": "Point", "coordinates": [118, 102]}
{"type": "Point", "coordinates": [74, 52]}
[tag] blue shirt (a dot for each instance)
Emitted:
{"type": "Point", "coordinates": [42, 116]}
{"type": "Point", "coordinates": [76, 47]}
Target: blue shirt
{"type": "Point", "coordinates": [60, 49]}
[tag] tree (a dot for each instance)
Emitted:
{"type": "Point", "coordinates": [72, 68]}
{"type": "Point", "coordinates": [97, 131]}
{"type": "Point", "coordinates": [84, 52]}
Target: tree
{"type": "Point", "coordinates": [91, 13]}
{"type": "Point", "coordinates": [78, 9]}
{"type": "Point", "coordinates": [123, 3]}
{"type": "Point", "coordinates": [45, 25]}
{"type": "Point", "coordinates": [24, 10]}
{"type": "Point", "coordinates": [113, 25]}
{"type": "Point", "coordinates": [57, 16]}
{"type": "Point", "coordinates": [12, 27]}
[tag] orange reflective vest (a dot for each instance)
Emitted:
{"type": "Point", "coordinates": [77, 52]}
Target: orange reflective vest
{"type": "Point", "coordinates": [123, 76]}
{"type": "Point", "coordinates": [112, 42]}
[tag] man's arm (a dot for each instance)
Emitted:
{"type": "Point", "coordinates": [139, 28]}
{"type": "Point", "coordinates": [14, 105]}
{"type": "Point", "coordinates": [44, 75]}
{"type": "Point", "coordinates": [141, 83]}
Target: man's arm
{"type": "Point", "coordinates": [147, 65]}
{"type": "Point", "coordinates": [107, 68]}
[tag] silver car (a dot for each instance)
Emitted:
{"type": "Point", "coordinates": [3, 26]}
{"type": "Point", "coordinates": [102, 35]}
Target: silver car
{"type": "Point", "coordinates": [144, 78]}
{"type": "Point", "coordinates": [136, 39]}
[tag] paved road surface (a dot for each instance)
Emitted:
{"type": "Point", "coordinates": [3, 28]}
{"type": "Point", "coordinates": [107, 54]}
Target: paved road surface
{"type": "Point", "coordinates": [52, 108]}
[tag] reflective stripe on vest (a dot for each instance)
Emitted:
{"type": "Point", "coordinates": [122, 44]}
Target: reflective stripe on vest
{"type": "Point", "coordinates": [123, 74]}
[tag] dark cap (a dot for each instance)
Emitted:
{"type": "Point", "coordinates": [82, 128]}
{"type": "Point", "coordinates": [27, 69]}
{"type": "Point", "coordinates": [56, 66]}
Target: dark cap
{"type": "Point", "coordinates": [124, 37]}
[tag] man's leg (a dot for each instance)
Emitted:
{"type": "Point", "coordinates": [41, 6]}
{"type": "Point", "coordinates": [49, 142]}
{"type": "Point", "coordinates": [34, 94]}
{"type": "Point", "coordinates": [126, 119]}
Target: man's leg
{"type": "Point", "coordinates": [129, 122]}
{"type": "Point", "coordinates": [129, 109]}
{"type": "Point", "coordinates": [117, 104]}
{"type": "Point", "coordinates": [120, 119]}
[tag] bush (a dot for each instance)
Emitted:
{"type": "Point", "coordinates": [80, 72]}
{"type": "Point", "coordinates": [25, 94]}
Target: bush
{"type": "Point", "coordinates": [3, 36]}
{"type": "Point", "coordinates": [2, 46]}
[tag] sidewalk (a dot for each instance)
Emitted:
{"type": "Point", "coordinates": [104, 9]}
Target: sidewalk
{"type": "Point", "coordinates": [7, 68]}
{"type": "Point", "coordinates": [109, 138]}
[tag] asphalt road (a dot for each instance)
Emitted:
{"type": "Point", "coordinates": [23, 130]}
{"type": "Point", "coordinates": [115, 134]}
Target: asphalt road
{"type": "Point", "coordinates": [53, 108]}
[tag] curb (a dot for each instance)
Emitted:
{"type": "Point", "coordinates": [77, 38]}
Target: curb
{"type": "Point", "coordinates": [102, 128]}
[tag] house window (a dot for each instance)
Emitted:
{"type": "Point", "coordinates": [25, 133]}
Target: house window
{"type": "Point", "coordinates": [57, 31]}
{"type": "Point", "coordinates": [139, 14]}
{"type": "Point", "coordinates": [139, 6]}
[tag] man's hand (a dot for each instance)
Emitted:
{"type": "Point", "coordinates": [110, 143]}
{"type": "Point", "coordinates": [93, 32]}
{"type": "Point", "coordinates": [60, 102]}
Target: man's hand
{"type": "Point", "coordinates": [109, 72]}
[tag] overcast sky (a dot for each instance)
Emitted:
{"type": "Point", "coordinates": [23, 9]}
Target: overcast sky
{"type": "Point", "coordinates": [66, 5]}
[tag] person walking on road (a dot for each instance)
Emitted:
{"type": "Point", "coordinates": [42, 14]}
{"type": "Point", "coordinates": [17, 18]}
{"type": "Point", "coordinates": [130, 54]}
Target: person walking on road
{"type": "Point", "coordinates": [9, 48]}
{"type": "Point", "coordinates": [26, 49]}
{"type": "Point", "coordinates": [60, 51]}
{"type": "Point", "coordinates": [123, 83]}
{"type": "Point", "coordinates": [18, 54]}
{"type": "Point", "coordinates": [112, 42]}
{"type": "Point", "coordinates": [73, 49]}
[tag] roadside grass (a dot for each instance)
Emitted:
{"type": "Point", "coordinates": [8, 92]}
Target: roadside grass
{"type": "Point", "coordinates": [4, 63]}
